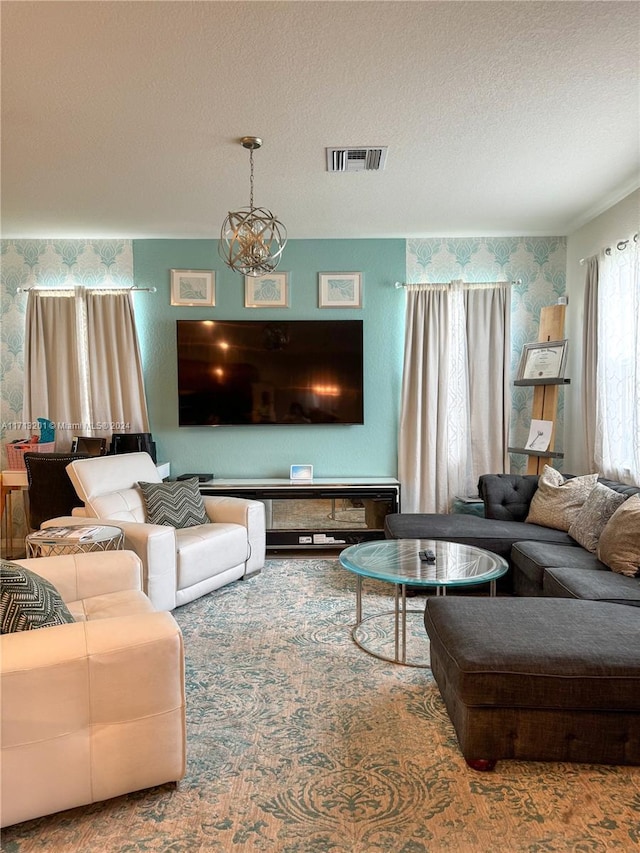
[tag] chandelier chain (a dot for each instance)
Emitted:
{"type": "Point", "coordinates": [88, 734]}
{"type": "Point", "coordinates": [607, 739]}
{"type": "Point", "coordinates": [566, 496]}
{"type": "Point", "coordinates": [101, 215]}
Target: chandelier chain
{"type": "Point", "coordinates": [251, 179]}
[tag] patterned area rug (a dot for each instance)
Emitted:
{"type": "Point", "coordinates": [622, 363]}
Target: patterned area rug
{"type": "Point", "coordinates": [300, 742]}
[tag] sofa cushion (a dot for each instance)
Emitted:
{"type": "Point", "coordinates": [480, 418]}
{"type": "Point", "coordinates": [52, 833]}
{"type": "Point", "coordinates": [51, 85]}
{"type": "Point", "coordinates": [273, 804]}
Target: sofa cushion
{"type": "Point", "coordinates": [28, 601]}
{"type": "Point", "coordinates": [564, 582]}
{"type": "Point", "coordinates": [557, 501]}
{"type": "Point", "coordinates": [198, 560]}
{"type": "Point", "coordinates": [492, 534]}
{"type": "Point", "coordinates": [619, 545]}
{"type": "Point", "coordinates": [124, 602]}
{"type": "Point", "coordinates": [122, 505]}
{"type": "Point", "coordinates": [538, 653]}
{"type": "Point", "coordinates": [175, 504]}
{"type": "Point", "coordinates": [532, 558]}
{"type": "Point", "coordinates": [594, 514]}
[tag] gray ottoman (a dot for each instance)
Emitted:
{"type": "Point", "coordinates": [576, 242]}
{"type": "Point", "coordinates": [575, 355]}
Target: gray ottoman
{"type": "Point", "coordinates": [538, 679]}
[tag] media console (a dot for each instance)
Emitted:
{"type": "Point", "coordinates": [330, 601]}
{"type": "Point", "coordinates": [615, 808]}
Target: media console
{"type": "Point", "coordinates": [328, 512]}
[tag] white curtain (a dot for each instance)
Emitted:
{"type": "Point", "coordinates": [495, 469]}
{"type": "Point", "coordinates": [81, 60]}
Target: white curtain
{"type": "Point", "coordinates": [82, 363]}
{"type": "Point", "coordinates": [53, 385]}
{"type": "Point", "coordinates": [116, 384]}
{"type": "Point", "coordinates": [590, 360]}
{"type": "Point", "coordinates": [488, 327]}
{"type": "Point", "coordinates": [454, 421]}
{"type": "Point", "coordinates": [617, 438]}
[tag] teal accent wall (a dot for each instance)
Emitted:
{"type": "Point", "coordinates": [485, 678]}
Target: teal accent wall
{"type": "Point", "coordinates": [265, 450]}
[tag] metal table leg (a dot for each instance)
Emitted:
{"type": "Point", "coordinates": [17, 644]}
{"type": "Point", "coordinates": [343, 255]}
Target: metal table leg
{"type": "Point", "coordinates": [358, 600]}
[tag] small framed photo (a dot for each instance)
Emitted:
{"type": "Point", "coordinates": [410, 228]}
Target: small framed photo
{"type": "Point", "coordinates": [267, 291]}
{"type": "Point", "coordinates": [545, 360]}
{"type": "Point", "coordinates": [193, 287]}
{"type": "Point", "coordinates": [301, 472]}
{"type": "Point", "coordinates": [340, 290]}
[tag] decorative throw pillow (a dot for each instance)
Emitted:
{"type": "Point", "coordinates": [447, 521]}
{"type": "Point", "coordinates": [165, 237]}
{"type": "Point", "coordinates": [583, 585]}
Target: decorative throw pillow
{"type": "Point", "coordinates": [557, 501]}
{"type": "Point", "coordinates": [28, 601]}
{"type": "Point", "coordinates": [592, 517]}
{"type": "Point", "coordinates": [619, 545]}
{"type": "Point", "coordinates": [175, 504]}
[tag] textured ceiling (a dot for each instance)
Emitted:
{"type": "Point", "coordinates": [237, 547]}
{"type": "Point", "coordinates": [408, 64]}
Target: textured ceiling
{"type": "Point", "coordinates": [121, 119]}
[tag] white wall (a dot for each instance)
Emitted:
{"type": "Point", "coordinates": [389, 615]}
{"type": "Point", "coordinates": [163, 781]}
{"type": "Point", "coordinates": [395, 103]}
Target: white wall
{"type": "Point", "coordinates": [616, 223]}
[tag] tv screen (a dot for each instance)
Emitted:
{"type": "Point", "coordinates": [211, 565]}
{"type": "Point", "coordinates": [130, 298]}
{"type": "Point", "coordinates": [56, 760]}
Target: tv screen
{"type": "Point", "coordinates": [234, 372]}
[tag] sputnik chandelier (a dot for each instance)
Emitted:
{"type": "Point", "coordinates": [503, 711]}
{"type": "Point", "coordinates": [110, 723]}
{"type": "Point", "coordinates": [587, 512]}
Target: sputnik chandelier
{"type": "Point", "coordinates": [252, 239]}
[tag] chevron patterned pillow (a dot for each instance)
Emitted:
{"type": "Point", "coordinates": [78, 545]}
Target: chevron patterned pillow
{"type": "Point", "coordinates": [28, 601]}
{"type": "Point", "coordinates": [176, 504]}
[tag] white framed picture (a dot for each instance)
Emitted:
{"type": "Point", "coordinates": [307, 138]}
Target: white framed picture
{"type": "Point", "coordinates": [543, 360]}
{"type": "Point", "coordinates": [340, 290]}
{"type": "Point", "coordinates": [267, 291]}
{"type": "Point", "coordinates": [193, 287]}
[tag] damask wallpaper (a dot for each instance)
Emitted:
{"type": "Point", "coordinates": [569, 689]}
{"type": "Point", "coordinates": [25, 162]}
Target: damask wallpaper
{"type": "Point", "coordinates": [49, 263]}
{"type": "Point", "coordinates": [538, 264]}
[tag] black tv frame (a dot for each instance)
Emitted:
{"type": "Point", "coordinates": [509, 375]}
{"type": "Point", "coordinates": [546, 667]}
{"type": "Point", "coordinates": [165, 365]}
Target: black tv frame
{"type": "Point", "coordinates": [237, 403]}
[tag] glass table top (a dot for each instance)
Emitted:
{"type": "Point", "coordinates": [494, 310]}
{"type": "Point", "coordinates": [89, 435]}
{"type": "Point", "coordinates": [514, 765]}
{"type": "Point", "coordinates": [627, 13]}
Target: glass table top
{"type": "Point", "coordinates": [398, 561]}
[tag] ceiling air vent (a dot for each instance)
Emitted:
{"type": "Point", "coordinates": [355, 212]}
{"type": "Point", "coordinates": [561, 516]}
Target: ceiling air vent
{"type": "Point", "coordinates": [356, 159]}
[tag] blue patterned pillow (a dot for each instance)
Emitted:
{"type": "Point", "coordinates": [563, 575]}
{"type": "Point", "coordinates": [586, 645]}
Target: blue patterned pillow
{"type": "Point", "coordinates": [28, 601]}
{"type": "Point", "coordinates": [175, 504]}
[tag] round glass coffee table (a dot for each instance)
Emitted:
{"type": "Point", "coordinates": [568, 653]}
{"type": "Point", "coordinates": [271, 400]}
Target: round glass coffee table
{"type": "Point", "coordinates": [448, 565]}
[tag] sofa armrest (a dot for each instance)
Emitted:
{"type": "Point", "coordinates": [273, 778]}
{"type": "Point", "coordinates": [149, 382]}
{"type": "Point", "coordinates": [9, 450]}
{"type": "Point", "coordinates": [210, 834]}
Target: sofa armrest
{"type": "Point", "coordinates": [114, 690]}
{"type": "Point", "coordinates": [78, 576]}
{"type": "Point", "coordinates": [507, 496]}
{"type": "Point", "coordinates": [250, 514]}
{"type": "Point", "coordinates": [156, 546]}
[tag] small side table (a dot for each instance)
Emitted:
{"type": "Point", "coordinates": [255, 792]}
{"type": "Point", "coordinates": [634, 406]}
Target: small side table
{"type": "Point", "coordinates": [80, 539]}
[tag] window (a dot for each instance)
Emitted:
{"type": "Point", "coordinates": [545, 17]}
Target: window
{"type": "Point", "coordinates": [617, 437]}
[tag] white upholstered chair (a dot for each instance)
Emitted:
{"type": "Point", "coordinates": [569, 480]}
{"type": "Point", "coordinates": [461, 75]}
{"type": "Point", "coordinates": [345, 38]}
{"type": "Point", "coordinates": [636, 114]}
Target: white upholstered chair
{"type": "Point", "coordinates": [179, 565]}
{"type": "Point", "coordinates": [95, 708]}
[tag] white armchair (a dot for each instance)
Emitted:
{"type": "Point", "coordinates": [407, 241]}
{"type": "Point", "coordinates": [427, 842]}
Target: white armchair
{"type": "Point", "coordinates": [179, 565]}
{"type": "Point", "coordinates": [85, 705]}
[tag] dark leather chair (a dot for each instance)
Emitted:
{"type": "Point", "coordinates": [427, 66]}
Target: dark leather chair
{"type": "Point", "coordinates": [50, 491]}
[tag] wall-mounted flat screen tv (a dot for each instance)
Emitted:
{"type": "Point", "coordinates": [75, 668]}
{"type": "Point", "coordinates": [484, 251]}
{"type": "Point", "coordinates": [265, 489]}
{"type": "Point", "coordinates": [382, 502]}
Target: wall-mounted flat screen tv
{"type": "Point", "coordinates": [236, 372]}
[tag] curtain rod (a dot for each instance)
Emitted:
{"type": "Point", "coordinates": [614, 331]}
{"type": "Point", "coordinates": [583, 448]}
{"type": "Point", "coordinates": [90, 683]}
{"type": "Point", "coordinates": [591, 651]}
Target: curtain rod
{"type": "Point", "coordinates": [401, 284]}
{"type": "Point", "coordinates": [96, 287]}
{"type": "Point", "coordinates": [621, 245]}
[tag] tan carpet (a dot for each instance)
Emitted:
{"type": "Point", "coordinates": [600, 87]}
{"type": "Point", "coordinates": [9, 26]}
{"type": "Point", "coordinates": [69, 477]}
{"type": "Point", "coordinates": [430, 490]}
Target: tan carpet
{"type": "Point", "coordinates": [300, 742]}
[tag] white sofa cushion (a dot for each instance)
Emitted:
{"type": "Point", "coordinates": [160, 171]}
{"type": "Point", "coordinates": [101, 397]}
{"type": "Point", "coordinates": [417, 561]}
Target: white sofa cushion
{"type": "Point", "coordinates": [126, 602]}
{"type": "Point", "coordinates": [197, 560]}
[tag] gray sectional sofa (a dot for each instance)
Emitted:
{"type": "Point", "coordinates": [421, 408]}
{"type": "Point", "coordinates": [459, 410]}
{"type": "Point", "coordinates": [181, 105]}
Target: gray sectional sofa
{"type": "Point", "coordinates": [535, 676]}
{"type": "Point", "coordinates": [544, 561]}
